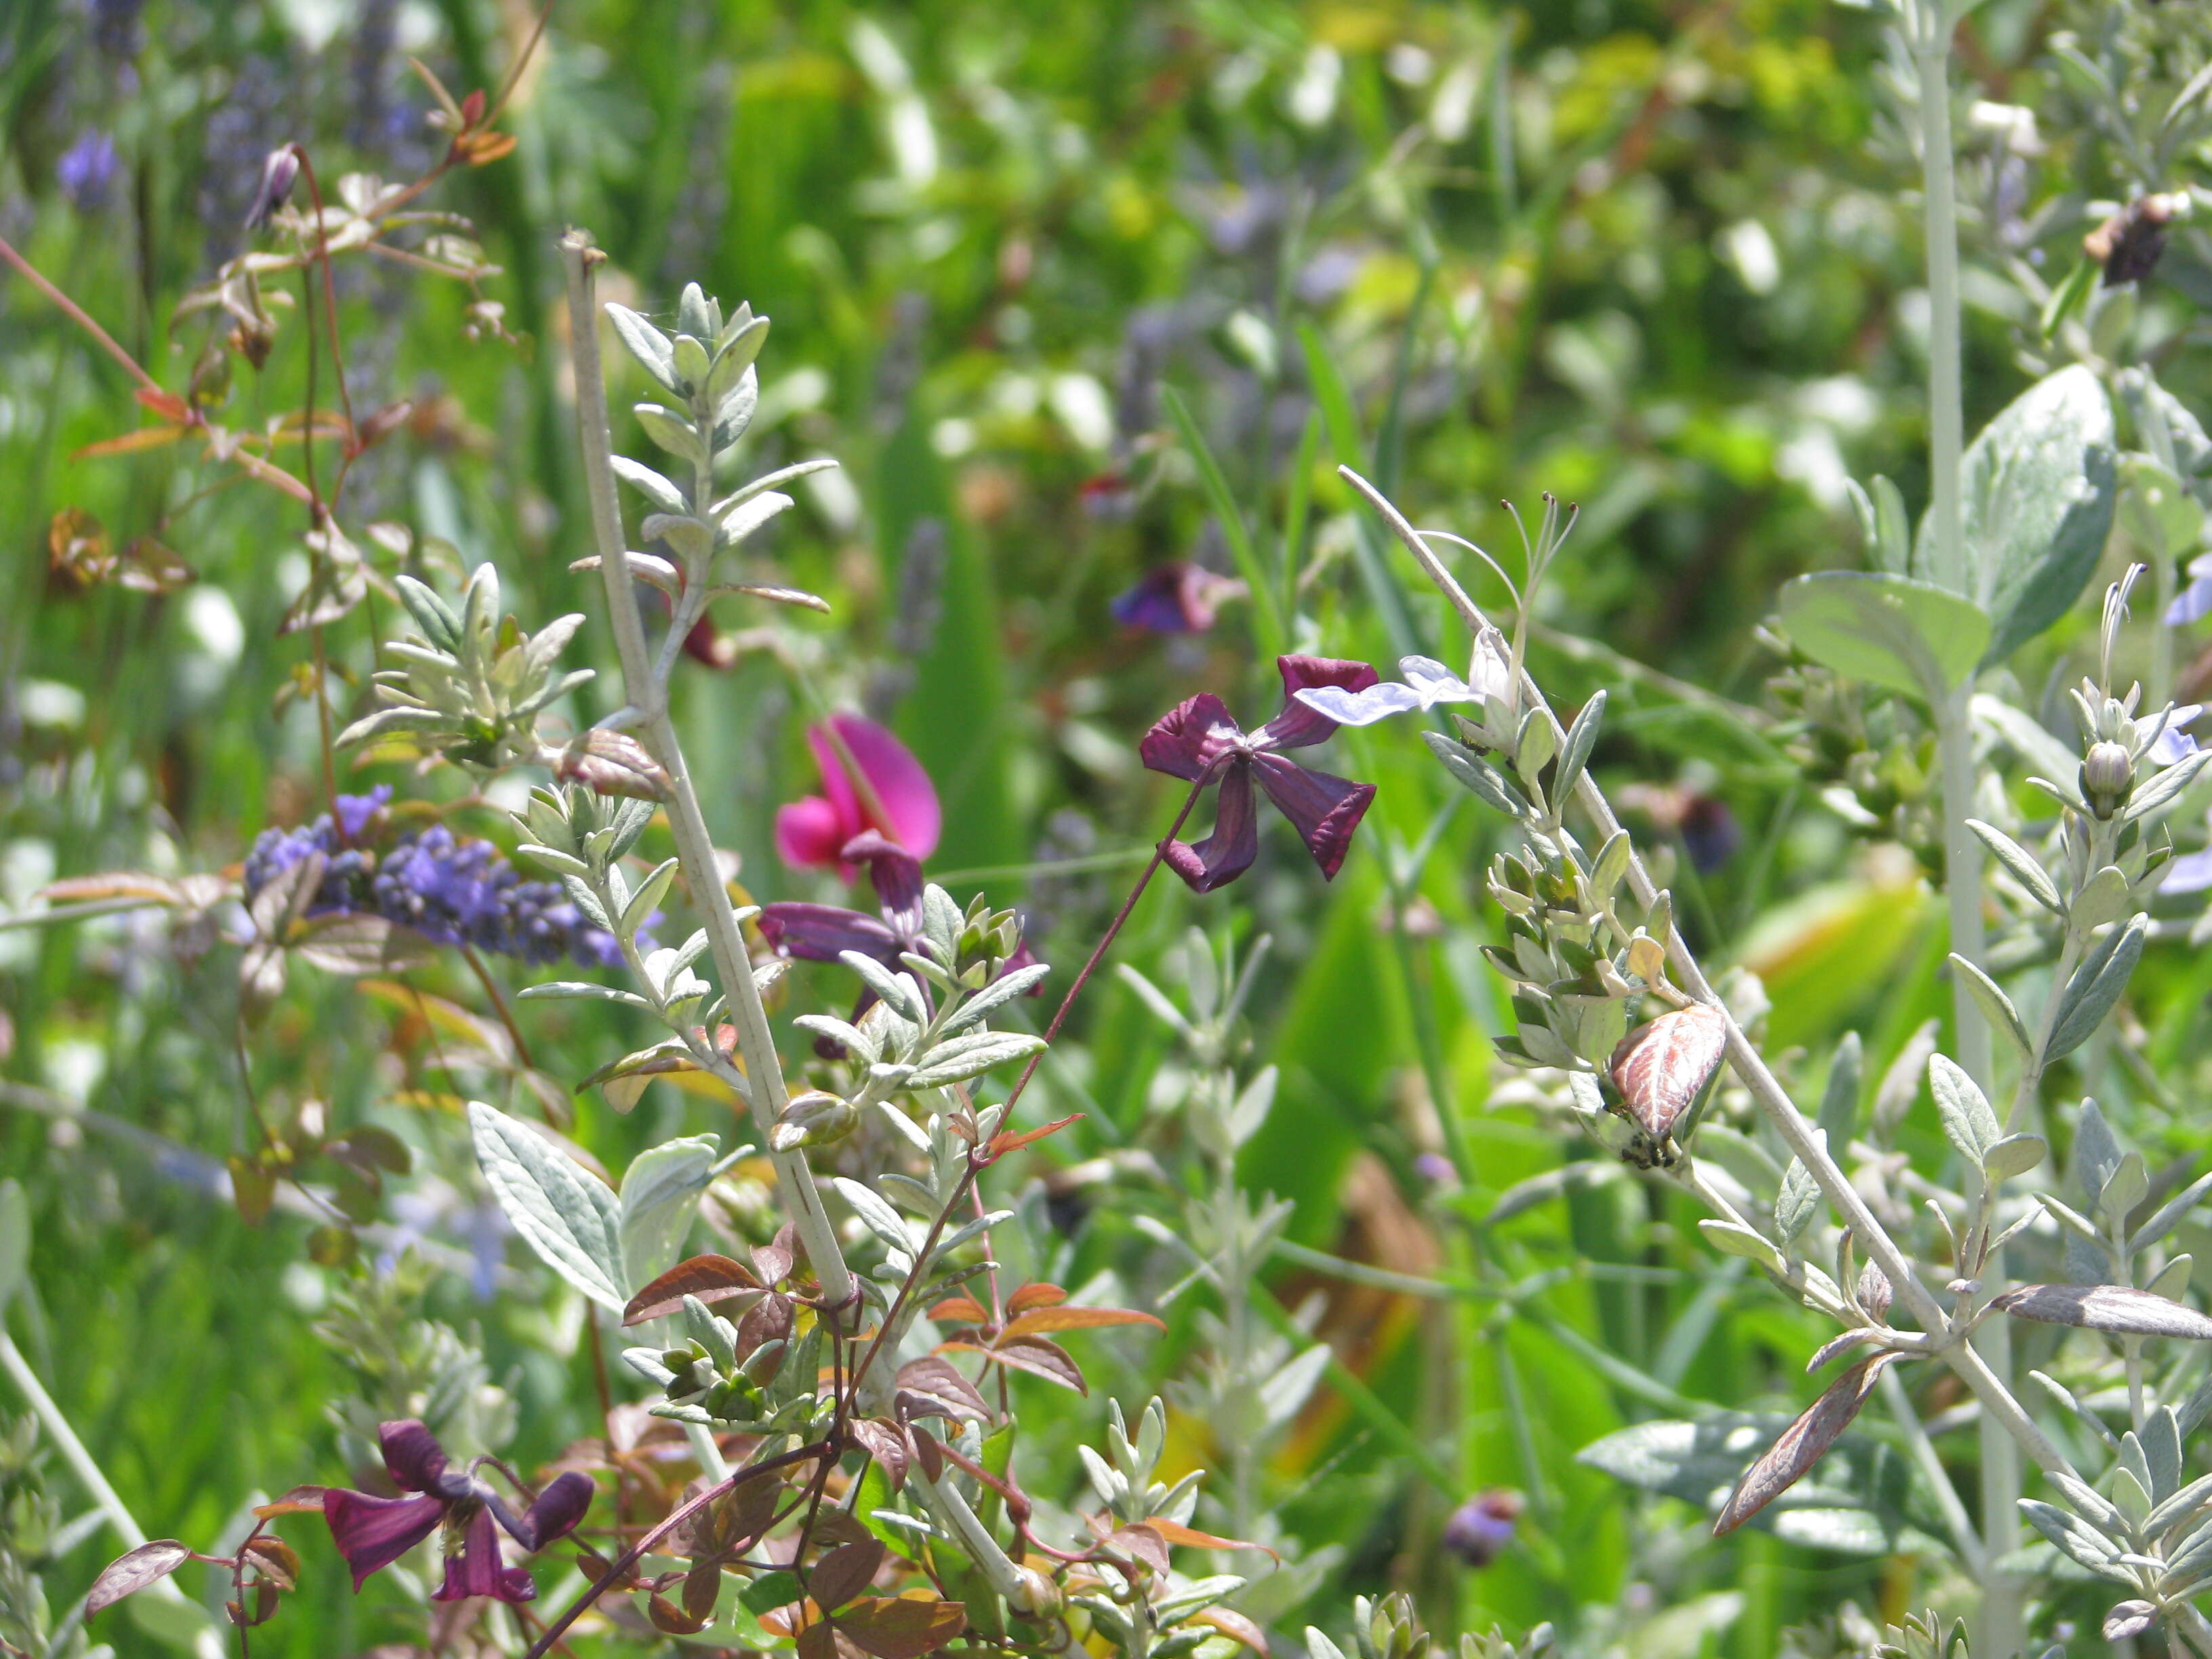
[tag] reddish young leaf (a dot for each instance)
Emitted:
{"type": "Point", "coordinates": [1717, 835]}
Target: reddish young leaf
{"type": "Point", "coordinates": [885, 1442]}
{"type": "Point", "coordinates": [1802, 1444]}
{"type": "Point", "coordinates": [300, 1500]}
{"type": "Point", "coordinates": [667, 1616]}
{"type": "Point", "coordinates": [710, 1278]}
{"type": "Point", "coordinates": [1660, 1068]}
{"type": "Point", "coordinates": [1039, 1358]}
{"type": "Point", "coordinates": [167, 404]}
{"type": "Point", "coordinates": [1035, 1296]}
{"type": "Point", "coordinates": [1233, 1625]}
{"type": "Point", "coordinates": [931, 1387]}
{"type": "Point", "coordinates": [817, 1640]}
{"type": "Point", "coordinates": [902, 1627]}
{"type": "Point", "coordinates": [958, 1311]}
{"type": "Point", "coordinates": [1190, 1538]}
{"type": "Point", "coordinates": [843, 1573]}
{"type": "Point", "coordinates": [702, 1588]}
{"type": "Point", "coordinates": [1144, 1542]}
{"type": "Point", "coordinates": [1076, 1319]}
{"type": "Point", "coordinates": [1007, 1141]}
{"type": "Point", "coordinates": [276, 1561]}
{"type": "Point", "coordinates": [133, 1572]}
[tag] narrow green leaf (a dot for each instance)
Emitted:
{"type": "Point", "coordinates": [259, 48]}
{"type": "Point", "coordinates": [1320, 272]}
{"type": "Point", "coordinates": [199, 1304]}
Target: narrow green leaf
{"type": "Point", "coordinates": [1274, 636]}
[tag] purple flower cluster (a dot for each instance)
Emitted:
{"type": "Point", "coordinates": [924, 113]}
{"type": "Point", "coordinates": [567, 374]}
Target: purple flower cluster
{"type": "Point", "coordinates": [451, 889]}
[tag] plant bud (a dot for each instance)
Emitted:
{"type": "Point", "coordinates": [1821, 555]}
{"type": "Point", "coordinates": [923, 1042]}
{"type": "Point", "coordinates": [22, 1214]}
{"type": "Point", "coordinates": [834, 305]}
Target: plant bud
{"type": "Point", "coordinates": [2107, 774]}
{"type": "Point", "coordinates": [816, 1118]}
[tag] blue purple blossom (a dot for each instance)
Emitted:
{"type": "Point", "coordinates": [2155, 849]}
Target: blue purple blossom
{"type": "Point", "coordinates": [86, 170]}
{"type": "Point", "coordinates": [453, 890]}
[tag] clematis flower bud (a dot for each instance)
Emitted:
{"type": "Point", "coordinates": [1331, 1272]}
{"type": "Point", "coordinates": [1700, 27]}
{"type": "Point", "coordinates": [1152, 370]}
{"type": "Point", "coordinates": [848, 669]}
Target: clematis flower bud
{"type": "Point", "coordinates": [2107, 774]}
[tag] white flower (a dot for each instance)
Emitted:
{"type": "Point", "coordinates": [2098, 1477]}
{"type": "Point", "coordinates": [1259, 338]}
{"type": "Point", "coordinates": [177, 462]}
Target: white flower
{"type": "Point", "coordinates": [1426, 683]}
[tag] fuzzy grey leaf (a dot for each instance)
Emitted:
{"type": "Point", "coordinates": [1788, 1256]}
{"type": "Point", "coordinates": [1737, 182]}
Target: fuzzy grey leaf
{"type": "Point", "coordinates": [2096, 987]}
{"type": "Point", "coordinates": [2025, 867]}
{"type": "Point", "coordinates": [647, 344]}
{"type": "Point", "coordinates": [1996, 1007]}
{"type": "Point", "coordinates": [1968, 1122]}
{"type": "Point", "coordinates": [568, 1215]}
{"type": "Point", "coordinates": [2117, 1309]}
{"type": "Point", "coordinates": [1478, 775]}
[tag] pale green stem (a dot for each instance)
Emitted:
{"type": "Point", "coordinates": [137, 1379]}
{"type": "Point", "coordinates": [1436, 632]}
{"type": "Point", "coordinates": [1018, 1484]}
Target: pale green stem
{"type": "Point", "coordinates": [694, 846]}
{"type": "Point", "coordinates": [1961, 1524]}
{"type": "Point", "coordinates": [207, 1644]}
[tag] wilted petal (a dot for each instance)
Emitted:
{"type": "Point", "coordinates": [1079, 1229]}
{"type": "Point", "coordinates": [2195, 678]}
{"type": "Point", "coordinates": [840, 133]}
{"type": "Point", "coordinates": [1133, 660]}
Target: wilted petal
{"type": "Point", "coordinates": [1191, 738]}
{"type": "Point", "coordinates": [1227, 852]}
{"type": "Point", "coordinates": [809, 833]}
{"type": "Point", "coordinates": [1802, 1444]}
{"type": "Point", "coordinates": [1325, 810]}
{"type": "Point", "coordinates": [1300, 725]}
{"type": "Point", "coordinates": [896, 876]}
{"type": "Point", "coordinates": [372, 1533]}
{"type": "Point", "coordinates": [412, 1455]}
{"type": "Point", "coordinates": [908, 798]}
{"type": "Point", "coordinates": [817, 933]}
{"type": "Point", "coordinates": [556, 1514]}
{"type": "Point", "coordinates": [476, 1568]}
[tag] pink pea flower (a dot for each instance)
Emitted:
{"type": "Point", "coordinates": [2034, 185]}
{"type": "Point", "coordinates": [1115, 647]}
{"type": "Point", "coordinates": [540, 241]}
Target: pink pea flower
{"type": "Point", "coordinates": [811, 833]}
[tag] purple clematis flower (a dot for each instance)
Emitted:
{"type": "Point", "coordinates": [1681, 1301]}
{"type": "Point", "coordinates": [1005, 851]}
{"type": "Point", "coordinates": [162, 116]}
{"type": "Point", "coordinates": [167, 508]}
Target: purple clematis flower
{"type": "Point", "coordinates": [1197, 740]}
{"type": "Point", "coordinates": [372, 1533]}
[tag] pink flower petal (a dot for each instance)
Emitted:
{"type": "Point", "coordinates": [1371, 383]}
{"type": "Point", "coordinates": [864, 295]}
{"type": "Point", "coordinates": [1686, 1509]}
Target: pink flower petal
{"type": "Point", "coordinates": [809, 833]}
{"type": "Point", "coordinates": [894, 776]}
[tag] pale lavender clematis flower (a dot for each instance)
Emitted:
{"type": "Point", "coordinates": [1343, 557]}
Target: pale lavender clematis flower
{"type": "Point", "coordinates": [2173, 743]}
{"type": "Point", "coordinates": [2194, 602]}
{"type": "Point", "coordinates": [1426, 683]}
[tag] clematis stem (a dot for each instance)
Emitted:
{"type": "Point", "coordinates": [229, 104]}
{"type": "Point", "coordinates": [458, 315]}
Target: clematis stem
{"type": "Point", "coordinates": [1106, 941]}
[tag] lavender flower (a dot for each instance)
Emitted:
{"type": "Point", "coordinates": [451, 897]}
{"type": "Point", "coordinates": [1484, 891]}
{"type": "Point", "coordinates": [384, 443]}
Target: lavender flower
{"type": "Point", "coordinates": [1480, 1529]}
{"type": "Point", "coordinates": [86, 170]}
{"type": "Point", "coordinates": [1175, 598]}
{"type": "Point", "coordinates": [372, 1532]}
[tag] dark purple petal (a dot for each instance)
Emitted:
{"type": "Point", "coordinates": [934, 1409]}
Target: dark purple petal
{"type": "Point", "coordinates": [556, 1513]}
{"type": "Point", "coordinates": [1191, 738]}
{"type": "Point", "coordinates": [372, 1533]}
{"type": "Point", "coordinates": [1299, 724]}
{"type": "Point", "coordinates": [1325, 810]}
{"type": "Point", "coordinates": [897, 875]}
{"type": "Point", "coordinates": [816, 932]}
{"type": "Point", "coordinates": [412, 1455]}
{"type": "Point", "coordinates": [476, 1569]}
{"type": "Point", "coordinates": [1227, 852]}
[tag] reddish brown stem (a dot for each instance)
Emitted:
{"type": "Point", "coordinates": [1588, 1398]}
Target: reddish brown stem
{"type": "Point", "coordinates": [76, 314]}
{"type": "Point", "coordinates": [1105, 942]}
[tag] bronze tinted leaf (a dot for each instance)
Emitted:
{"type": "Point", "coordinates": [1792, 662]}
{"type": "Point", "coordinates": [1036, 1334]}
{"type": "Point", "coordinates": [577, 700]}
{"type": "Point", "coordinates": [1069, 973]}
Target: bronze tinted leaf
{"type": "Point", "coordinates": [844, 1572]}
{"type": "Point", "coordinates": [1190, 1538]}
{"type": "Point", "coordinates": [887, 1443]}
{"type": "Point", "coordinates": [2115, 1308]}
{"type": "Point", "coordinates": [1144, 1542]}
{"type": "Point", "coordinates": [901, 1627]}
{"type": "Point", "coordinates": [1041, 1320]}
{"type": "Point", "coordinates": [958, 1311]}
{"type": "Point", "coordinates": [710, 1278]}
{"type": "Point", "coordinates": [1233, 1625]}
{"type": "Point", "coordinates": [667, 1616]}
{"type": "Point", "coordinates": [1007, 1141]}
{"type": "Point", "coordinates": [1039, 1358]}
{"type": "Point", "coordinates": [933, 1386]}
{"type": "Point", "coordinates": [702, 1587]}
{"type": "Point", "coordinates": [134, 1571]}
{"type": "Point", "coordinates": [1661, 1067]}
{"type": "Point", "coordinates": [1802, 1444]}
{"type": "Point", "coordinates": [1035, 1296]}
{"type": "Point", "coordinates": [300, 1500]}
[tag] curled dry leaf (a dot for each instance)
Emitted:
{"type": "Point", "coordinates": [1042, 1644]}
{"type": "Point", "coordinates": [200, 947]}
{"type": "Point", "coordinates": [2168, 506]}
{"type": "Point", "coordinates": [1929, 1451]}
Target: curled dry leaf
{"type": "Point", "coordinates": [133, 1572]}
{"type": "Point", "coordinates": [1802, 1444]}
{"type": "Point", "coordinates": [1661, 1067]}
{"type": "Point", "coordinates": [2117, 1309]}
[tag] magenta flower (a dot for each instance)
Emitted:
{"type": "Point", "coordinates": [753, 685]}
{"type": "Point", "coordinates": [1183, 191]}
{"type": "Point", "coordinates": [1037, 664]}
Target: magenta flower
{"type": "Point", "coordinates": [1197, 740]}
{"type": "Point", "coordinates": [811, 834]}
{"type": "Point", "coordinates": [372, 1533]}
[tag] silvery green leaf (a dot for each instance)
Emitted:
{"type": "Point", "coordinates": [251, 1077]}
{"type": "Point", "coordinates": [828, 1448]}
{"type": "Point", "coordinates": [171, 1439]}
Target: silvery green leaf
{"type": "Point", "coordinates": [1840, 1095]}
{"type": "Point", "coordinates": [2095, 987]}
{"type": "Point", "coordinates": [2076, 1538]}
{"type": "Point", "coordinates": [553, 859]}
{"type": "Point", "coordinates": [1907, 635]}
{"type": "Point", "coordinates": [897, 990]}
{"type": "Point", "coordinates": [2103, 898]}
{"type": "Point", "coordinates": [2161, 1444]}
{"type": "Point", "coordinates": [2096, 1154]}
{"type": "Point", "coordinates": [1798, 1201]}
{"type": "Point", "coordinates": [692, 363]}
{"type": "Point", "coordinates": [645, 1362]}
{"type": "Point", "coordinates": [748, 516]}
{"type": "Point", "coordinates": [1534, 747]}
{"type": "Point", "coordinates": [1968, 1122]}
{"type": "Point", "coordinates": [650, 484]}
{"type": "Point", "coordinates": [952, 1240]}
{"type": "Point", "coordinates": [927, 971]}
{"type": "Point", "coordinates": [2172, 1279]}
{"type": "Point", "coordinates": [1891, 542]}
{"type": "Point", "coordinates": [567, 1214]}
{"type": "Point", "coordinates": [692, 539]}
{"type": "Point", "coordinates": [1996, 1007]}
{"type": "Point", "coordinates": [1283, 1394]}
{"type": "Point", "coordinates": [2129, 1499]}
{"type": "Point", "coordinates": [671, 432]}
{"type": "Point", "coordinates": [2037, 489]}
{"type": "Point", "coordinates": [1732, 1240]}
{"type": "Point", "coordinates": [391, 720]}
{"type": "Point", "coordinates": [735, 412]}
{"type": "Point", "coordinates": [1900, 1083]}
{"type": "Point", "coordinates": [776, 480]}
{"type": "Point", "coordinates": [2013, 1155]}
{"type": "Point", "coordinates": [2025, 867]}
{"type": "Point", "coordinates": [970, 1056]}
{"type": "Point", "coordinates": [432, 614]}
{"type": "Point", "coordinates": [581, 991]}
{"type": "Point", "coordinates": [2088, 1502]}
{"type": "Point", "coordinates": [734, 357]}
{"type": "Point", "coordinates": [1488, 784]}
{"type": "Point", "coordinates": [647, 899]}
{"type": "Point", "coordinates": [2181, 1505]}
{"type": "Point", "coordinates": [2164, 786]}
{"type": "Point", "coordinates": [647, 343]}
{"type": "Point", "coordinates": [876, 1215]}
{"type": "Point", "coordinates": [1574, 755]}
{"type": "Point", "coordinates": [2125, 1621]}
{"type": "Point", "coordinates": [696, 314]}
{"type": "Point", "coordinates": [659, 1194]}
{"type": "Point", "coordinates": [995, 995]}
{"type": "Point", "coordinates": [552, 691]}
{"type": "Point", "coordinates": [2024, 735]}
{"type": "Point", "coordinates": [2169, 1215]}
{"type": "Point", "coordinates": [851, 1036]}
{"type": "Point", "coordinates": [2115, 1309]}
{"type": "Point", "coordinates": [2129, 1186]}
